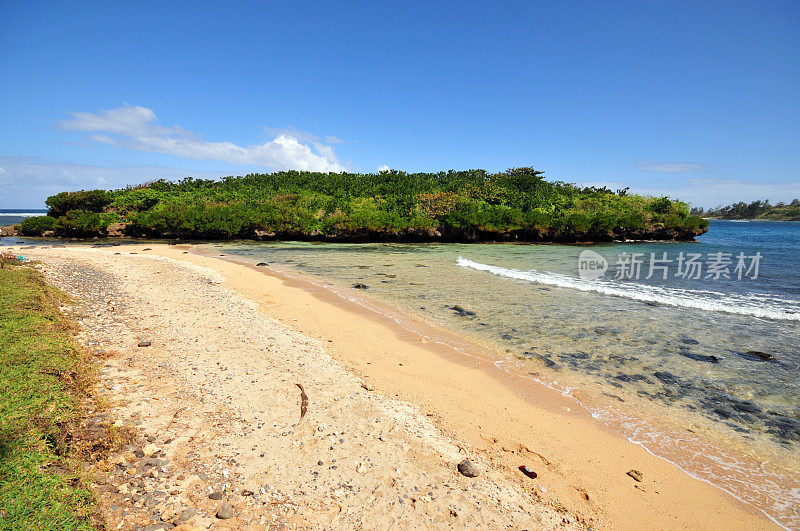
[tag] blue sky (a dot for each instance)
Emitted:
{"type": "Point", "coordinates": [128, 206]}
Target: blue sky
{"type": "Point", "coordinates": [697, 100]}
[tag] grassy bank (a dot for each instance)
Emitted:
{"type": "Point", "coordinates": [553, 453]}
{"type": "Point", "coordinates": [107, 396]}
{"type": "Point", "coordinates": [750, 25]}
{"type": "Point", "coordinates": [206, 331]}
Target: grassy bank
{"type": "Point", "coordinates": [43, 380]}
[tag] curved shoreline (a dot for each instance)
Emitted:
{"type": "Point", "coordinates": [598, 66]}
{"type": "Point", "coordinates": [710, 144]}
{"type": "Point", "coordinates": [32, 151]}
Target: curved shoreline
{"type": "Point", "coordinates": [561, 405]}
{"type": "Point", "coordinates": [582, 463]}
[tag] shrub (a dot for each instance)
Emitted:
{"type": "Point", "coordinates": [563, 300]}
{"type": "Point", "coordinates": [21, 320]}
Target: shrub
{"type": "Point", "coordinates": [85, 223]}
{"type": "Point", "coordinates": [88, 200]}
{"type": "Point", "coordinates": [37, 225]}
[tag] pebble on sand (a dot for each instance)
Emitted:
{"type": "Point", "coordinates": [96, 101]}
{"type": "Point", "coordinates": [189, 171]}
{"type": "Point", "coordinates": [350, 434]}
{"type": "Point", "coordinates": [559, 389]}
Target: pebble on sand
{"type": "Point", "coordinates": [467, 468]}
{"type": "Point", "coordinates": [635, 474]}
{"type": "Point", "coordinates": [225, 512]}
{"type": "Point", "coordinates": [144, 343]}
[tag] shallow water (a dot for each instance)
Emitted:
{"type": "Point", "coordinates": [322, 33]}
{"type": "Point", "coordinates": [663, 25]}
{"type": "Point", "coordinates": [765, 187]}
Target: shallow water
{"type": "Point", "coordinates": [717, 358]}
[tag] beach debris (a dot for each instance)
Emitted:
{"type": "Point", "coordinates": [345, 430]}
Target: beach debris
{"type": "Point", "coordinates": [754, 355]}
{"type": "Point", "coordinates": [144, 344]}
{"type": "Point", "coordinates": [635, 474]}
{"type": "Point", "coordinates": [261, 264]}
{"type": "Point", "coordinates": [359, 285]}
{"type": "Point", "coordinates": [468, 468]}
{"type": "Point", "coordinates": [461, 311]}
{"type": "Point", "coordinates": [303, 401]}
{"type": "Point", "coordinates": [361, 468]}
{"type": "Point", "coordinates": [215, 496]}
{"type": "Point", "coordinates": [9, 258]}
{"type": "Point", "coordinates": [225, 512]}
{"type": "Point", "coordinates": [528, 471]}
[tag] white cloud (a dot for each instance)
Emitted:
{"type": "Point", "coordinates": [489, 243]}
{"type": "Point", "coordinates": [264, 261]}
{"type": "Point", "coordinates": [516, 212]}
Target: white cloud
{"type": "Point", "coordinates": [383, 167]}
{"type": "Point", "coordinates": [135, 128]}
{"type": "Point", "coordinates": [672, 167]}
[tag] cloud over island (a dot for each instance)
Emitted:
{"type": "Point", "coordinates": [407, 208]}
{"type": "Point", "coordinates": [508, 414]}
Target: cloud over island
{"type": "Point", "coordinates": [134, 127]}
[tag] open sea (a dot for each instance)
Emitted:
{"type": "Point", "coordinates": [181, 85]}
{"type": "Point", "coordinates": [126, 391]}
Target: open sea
{"type": "Point", "coordinates": [690, 349]}
{"type": "Point", "coordinates": [14, 216]}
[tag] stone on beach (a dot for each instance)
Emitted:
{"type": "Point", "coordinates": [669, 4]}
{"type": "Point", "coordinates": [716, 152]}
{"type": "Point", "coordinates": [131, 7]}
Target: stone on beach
{"type": "Point", "coordinates": [225, 512]}
{"type": "Point", "coordinates": [468, 468]}
{"type": "Point", "coordinates": [635, 474]}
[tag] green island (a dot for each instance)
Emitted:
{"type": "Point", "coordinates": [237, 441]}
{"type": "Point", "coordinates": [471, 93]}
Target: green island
{"type": "Point", "coordinates": [755, 210]}
{"type": "Point", "coordinates": [453, 206]}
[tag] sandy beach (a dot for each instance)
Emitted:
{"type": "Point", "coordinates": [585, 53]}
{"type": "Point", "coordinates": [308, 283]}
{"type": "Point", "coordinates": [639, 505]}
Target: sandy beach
{"type": "Point", "coordinates": [215, 408]}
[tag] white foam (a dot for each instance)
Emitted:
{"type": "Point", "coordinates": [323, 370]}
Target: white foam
{"type": "Point", "coordinates": [22, 214]}
{"type": "Point", "coordinates": [751, 304]}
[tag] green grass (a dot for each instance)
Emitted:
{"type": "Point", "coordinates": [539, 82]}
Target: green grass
{"type": "Point", "coordinates": [43, 380]}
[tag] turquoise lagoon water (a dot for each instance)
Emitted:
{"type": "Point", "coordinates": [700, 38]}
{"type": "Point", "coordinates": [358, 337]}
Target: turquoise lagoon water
{"type": "Point", "coordinates": [715, 358]}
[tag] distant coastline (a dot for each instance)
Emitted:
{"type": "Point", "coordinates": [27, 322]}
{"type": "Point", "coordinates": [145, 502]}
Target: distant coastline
{"type": "Point", "coordinates": [755, 211]}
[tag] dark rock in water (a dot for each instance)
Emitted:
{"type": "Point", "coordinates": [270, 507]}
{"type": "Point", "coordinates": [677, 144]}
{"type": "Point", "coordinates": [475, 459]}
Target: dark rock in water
{"type": "Point", "coordinates": [261, 264]}
{"type": "Point", "coordinates": [144, 344]}
{"type": "Point", "coordinates": [225, 512]}
{"type": "Point", "coordinates": [215, 496]}
{"type": "Point", "coordinates": [745, 406]}
{"type": "Point", "coordinates": [755, 355]}
{"type": "Point", "coordinates": [666, 377]}
{"type": "Point", "coordinates": [541, 357]}
{"type": "Point", "coordinates": [615, 397]}
{"type": "Point", "coordinates": [461, 311]}
{"type": "Point", "coordinates": [699, 357]}
{"type": "Point", "coordinates": [723, 412]}
{"type": "Point", "coordinates": [359, 285]}
{"type": "Point", "coordinates": [689, 341]}
{"type": "Point", "coordinates": [574, 355]}
{"type": "Point", "coordinates": [632, 377]}
{"type": "Point", "coordinates": [635, 474]}
{"type": "Point", "coordinates": [507, 336]}
{"type": "Point", "coordinates": [467, 468]}
{"type": "Point", "coordinates": [784, 428]}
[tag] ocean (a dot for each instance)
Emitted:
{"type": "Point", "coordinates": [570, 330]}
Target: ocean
{"type": "Point", "coordinates": [690, 349]}
{"type": "Point", "coordinates": [14, 216]}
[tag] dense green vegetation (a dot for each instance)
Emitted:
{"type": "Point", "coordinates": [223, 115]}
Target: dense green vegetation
{"type": "Point", "coordinates": [754, 210]}
{"type": "Point", "coordinates": [42, 380]}
{"type": "Point", "coordinates": [518, 204]}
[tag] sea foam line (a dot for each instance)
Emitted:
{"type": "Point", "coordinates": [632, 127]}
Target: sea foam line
{"type": "Point", "coordinates": [674, 297]}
